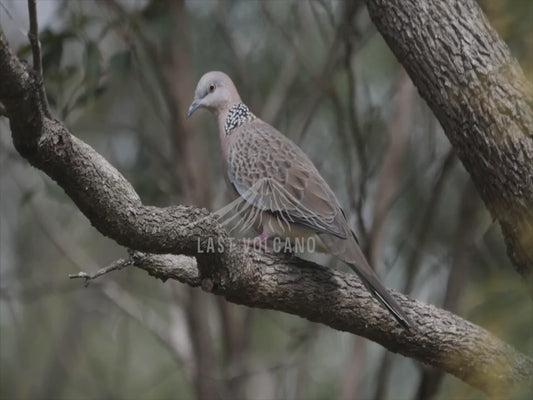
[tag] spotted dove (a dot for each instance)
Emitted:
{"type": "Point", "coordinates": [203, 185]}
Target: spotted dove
{"type": "Point", "coordinates": [275, 177]}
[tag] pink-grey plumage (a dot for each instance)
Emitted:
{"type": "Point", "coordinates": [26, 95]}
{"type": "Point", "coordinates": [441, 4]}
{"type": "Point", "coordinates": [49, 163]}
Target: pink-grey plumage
{"type": "Point", "coordinates": [276, 178]}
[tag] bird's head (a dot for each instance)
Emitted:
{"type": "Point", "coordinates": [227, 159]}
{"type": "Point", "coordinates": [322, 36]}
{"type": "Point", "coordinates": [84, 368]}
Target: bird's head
{"type": "Point", "coordinates": [216, 92]}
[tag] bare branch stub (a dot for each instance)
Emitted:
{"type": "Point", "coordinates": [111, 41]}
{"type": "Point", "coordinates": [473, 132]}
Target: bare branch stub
{"type": "Point", "coordinates": [165, 266]}
{"type": "Point", "coordinates": [115, 266]}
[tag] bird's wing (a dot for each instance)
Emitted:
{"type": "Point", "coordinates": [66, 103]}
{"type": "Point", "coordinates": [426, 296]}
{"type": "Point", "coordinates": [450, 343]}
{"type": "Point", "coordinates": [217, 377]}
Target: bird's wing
{"type": "Point", "coordinates": [273, 174]}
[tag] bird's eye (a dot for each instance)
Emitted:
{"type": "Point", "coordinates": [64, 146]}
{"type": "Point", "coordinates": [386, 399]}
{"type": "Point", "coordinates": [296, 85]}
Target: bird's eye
{"type": "Point", "coordinates": [212, 88]}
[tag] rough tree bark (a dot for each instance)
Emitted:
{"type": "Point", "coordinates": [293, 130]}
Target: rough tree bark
{"type": "Point", "coordinates": [246, 277]}
{"type": "Point", "coordinates": [477, 90]}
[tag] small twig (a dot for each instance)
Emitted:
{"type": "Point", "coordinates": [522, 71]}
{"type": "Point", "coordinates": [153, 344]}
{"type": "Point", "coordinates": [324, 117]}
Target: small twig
{"type": "Point", "coordinates": [360, 147]}
{"type": "Point", "coordinates": [222, 19]}
{"type": "Point", "coordinates": [426, 221]}
{"type": "Point", "coordinates": [288, 38]}
{"type": "Point", "coordinates": [6, 10]}
{"type": "Point", "coordinates": [33, 36]}
{"type": "Point", "coordinates": [115, 266]}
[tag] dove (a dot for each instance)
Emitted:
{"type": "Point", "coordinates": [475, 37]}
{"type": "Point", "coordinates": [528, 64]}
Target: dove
{"type": "Point", "coordinates": [277, 179]}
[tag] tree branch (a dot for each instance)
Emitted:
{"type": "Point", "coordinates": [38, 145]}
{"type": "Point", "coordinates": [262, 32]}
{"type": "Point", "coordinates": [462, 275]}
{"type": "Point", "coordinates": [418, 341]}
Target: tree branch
{"type": "Point", "coordinates": [339, 300]}
{"type": "Point", "coordinates": [33, 36]}
{"type": "Point", "coordinates": [239, 274]}
{"type": "Point", "coordinates": [478, 92]}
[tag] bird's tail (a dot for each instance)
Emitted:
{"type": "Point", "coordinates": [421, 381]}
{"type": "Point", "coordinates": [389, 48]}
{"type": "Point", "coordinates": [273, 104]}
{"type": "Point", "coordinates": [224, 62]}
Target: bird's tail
{"type": "Point", "coordinates": [349, 251]}
{"type": "Point", "coordinates": [371, 281]}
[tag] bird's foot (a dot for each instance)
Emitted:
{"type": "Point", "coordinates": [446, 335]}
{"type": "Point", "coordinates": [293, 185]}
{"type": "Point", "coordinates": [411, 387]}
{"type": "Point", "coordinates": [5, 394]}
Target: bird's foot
{"type": "Point", "coordinates": [258, 243]}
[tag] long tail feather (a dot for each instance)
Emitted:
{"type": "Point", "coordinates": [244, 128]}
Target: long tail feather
{"type": "Point", "coordinates": [384, 297]}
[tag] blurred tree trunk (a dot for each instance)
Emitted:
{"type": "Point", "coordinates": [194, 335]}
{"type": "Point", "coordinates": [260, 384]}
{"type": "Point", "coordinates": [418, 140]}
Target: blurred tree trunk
{"type": "Point", "coordinates": [477, 90]}
{"type": "Point", "coordinates": [174, 66]}
{"type": "Point", "coordinates": [171, 59]}
{"type": "Point", "coordinates": [467, 232]}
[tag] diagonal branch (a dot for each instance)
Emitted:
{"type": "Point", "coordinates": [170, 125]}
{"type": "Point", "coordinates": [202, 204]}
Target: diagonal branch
{"type": "Point", "coordinates": [479, 94]}
{"type": "Point", "coordinates": [339, 300]}
{"type": "Point", "coordinates": [242, 276]}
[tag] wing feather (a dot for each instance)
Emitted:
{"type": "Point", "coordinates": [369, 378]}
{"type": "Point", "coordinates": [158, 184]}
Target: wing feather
{"type": "Point", "coordinates": [272, 174]}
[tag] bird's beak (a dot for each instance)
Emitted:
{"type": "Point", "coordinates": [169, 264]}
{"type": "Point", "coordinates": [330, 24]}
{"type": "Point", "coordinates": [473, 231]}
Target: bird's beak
{"type": "Point", "coordinates": [195, 104]}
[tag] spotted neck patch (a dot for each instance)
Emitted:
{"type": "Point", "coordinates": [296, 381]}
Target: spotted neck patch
{"type": "Point", "coordinates": [238, 114]}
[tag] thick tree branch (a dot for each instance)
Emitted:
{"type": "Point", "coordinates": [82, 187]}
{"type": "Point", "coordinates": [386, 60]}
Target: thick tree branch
{"type": "Point", "coordinates": [468, 77]}
{"type": "Point", "coordinates": [243, 276]}
{"type": "Point", "coordinates": [339, 300]}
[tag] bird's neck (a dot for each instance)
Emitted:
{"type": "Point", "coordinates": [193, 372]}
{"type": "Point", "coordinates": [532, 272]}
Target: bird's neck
{"type": "Point", "coordinates": [228, 120]}
{"type": "Point", "coordinates": [236, 115]}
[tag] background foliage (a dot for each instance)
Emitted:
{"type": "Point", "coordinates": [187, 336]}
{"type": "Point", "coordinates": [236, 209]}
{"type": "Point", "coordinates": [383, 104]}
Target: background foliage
{"type": "Point", "coordinates": [121, 75]}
